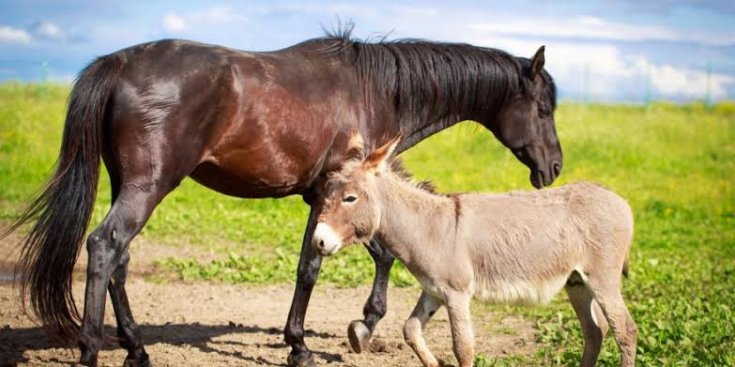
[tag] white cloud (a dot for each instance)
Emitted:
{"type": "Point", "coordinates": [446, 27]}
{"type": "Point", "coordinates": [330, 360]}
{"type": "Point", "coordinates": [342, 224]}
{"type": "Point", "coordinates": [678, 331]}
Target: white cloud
{"type": "Point", "coordinates": [217, 15]}
{"type": "Point", "coordinates": [686, 82]}
{"type": "Point", "coordinates": [173, 23]}
{"type": "Point", "coordinates": [212, 16]}
{"type": "Point", "coordinates": [455, 23]}
{"type": "Point", "coordinates": [14, 35]}
{"type": "Point", "coordinates": [603, 72]}
{"type": "Point", "coordinates": [49, 30]}
{"type": "Point", "coordinates": [583, 53]}
{"type": "Point", "coordinates": [586, 27]}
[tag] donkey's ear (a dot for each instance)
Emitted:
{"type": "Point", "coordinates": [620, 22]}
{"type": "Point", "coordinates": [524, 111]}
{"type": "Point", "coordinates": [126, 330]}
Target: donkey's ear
{"type": "Point", "coordinates": [355, 146]}
{"type": "Point", "coordinates": [378, 160]}
{"type": "Point", "coordinates": [537, 63]}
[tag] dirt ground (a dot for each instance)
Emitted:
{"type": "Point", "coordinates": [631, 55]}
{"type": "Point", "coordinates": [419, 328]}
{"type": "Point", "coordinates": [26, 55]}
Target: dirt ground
{"type": "Point", "coordinates": [210, 324]}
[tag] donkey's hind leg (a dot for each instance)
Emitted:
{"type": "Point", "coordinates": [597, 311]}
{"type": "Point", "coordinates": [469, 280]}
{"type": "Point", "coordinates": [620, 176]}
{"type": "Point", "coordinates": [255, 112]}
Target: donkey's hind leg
{"type": "Point", "coordinates": [360, 331]}
{"type": "Point", "coordinates": [608, 296]}
{"type": "Point", "coordinates": [108, 247]}
{"type": "Point", "coordinates": [594, 325]}
{"type": "Point", "coordinates": [414, 327]}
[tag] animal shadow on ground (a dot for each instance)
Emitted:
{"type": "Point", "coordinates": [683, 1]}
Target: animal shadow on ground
{"type": "Point", "coordinates": [15, 342]}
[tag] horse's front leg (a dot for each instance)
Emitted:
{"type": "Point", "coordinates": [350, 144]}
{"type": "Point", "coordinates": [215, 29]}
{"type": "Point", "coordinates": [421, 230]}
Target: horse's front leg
{"type": "Point", "coordinates": [308, 271]}
{"type": "Point", "coordinates": [360, 331]}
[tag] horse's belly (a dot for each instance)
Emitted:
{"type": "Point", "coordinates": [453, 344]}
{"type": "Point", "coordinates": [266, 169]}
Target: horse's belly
{"type": "Point", "coordinates": [252, 179]}
{"type": "Point", "coordinates": [266, 156]}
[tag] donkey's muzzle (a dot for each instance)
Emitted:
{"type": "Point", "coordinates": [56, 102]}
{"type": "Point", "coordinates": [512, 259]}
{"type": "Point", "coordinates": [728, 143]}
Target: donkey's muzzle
{"type": "Point", "coordinates": [325, 240]}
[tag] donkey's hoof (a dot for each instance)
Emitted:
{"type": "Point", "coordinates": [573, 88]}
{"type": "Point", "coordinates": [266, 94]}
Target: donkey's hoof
{"type": "Point", "coordinates": [305, 359]}
{"type": "Point", "coordinates": [359, 336]}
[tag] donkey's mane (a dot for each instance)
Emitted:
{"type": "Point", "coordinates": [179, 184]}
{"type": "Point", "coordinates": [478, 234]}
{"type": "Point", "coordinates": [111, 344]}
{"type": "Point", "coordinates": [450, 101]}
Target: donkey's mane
{"type": "Point", "coordinates": [435, 82]}
{"type": "Point", "coordinates": [397, 168]}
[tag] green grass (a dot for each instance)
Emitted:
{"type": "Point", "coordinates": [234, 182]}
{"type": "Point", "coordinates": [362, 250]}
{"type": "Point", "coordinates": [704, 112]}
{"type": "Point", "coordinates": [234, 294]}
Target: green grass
{"type": "Point", "coordinates": [675, 165]}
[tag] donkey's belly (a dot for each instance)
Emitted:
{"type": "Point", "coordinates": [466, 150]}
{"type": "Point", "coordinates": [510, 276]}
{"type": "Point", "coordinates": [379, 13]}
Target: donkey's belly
{"type": "Point", "coordinates": [521, 292]}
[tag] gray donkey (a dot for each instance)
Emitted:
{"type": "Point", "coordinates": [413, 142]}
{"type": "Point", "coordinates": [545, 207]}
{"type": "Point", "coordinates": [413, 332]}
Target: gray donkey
{"type": "Point", "coordinates": [518, 247]}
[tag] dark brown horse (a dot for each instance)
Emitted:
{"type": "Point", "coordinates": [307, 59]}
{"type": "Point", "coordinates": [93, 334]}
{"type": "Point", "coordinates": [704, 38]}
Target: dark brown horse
{"type": "Point", "coordinates": [254, 125]}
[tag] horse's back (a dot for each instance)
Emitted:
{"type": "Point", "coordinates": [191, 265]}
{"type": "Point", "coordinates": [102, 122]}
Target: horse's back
{"type": "Point", "coordinates": [241, 123]}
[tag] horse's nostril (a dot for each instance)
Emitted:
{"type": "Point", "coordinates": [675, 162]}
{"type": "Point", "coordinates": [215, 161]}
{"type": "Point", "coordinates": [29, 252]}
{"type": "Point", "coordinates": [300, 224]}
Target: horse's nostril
{"type": "Point", "coordinates": [321, 244]}
{"type": "Point", "coordinates": [556, 168]}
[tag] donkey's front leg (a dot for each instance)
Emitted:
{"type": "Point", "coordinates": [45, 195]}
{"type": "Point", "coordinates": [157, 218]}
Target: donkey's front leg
{"type": "Point", "coordinates": [460, 320]}
{"type": "Point", "coordinates": [360, 331]}
{"type": "Point", "coordinates": [413, 330]}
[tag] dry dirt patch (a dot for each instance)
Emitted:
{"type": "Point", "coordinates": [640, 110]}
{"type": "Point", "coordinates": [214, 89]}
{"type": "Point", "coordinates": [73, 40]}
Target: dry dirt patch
{"type": "Point", "coordinates": [211, 324]}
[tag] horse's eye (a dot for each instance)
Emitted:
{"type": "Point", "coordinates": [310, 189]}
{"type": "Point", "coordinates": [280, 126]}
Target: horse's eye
{"type": "Point", "coordinates": [544, 110]}
{"type": "Point", "coordinates": [349, 199]}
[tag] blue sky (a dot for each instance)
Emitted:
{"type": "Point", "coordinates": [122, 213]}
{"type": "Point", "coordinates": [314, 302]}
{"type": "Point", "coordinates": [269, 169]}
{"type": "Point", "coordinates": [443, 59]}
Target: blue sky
{"type": "Point", "coordinates": [596, 50]}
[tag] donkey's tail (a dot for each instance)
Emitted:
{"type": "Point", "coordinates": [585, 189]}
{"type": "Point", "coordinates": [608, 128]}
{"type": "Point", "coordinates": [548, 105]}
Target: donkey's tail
{"type": "Point", "coordinates": [62, 211]}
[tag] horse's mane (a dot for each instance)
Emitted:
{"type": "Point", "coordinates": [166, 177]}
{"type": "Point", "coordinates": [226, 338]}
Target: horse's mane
{"type": "Point", "coordinates": [434, 81]}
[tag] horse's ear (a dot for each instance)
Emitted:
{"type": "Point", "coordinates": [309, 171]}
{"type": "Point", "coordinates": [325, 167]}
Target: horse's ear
{"type": "Point", "coordinates": [378, 160]}
{"type": "Point", "coordinates": [537, 63]}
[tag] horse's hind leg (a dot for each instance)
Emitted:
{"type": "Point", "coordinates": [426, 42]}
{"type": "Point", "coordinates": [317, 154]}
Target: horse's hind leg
{"type": "Point", "coordinates": [127, 329]}
{"type": "Point", "coordinates": [108, 254]}
{"type": "Point", "coordinates": [360, 331]}
{"type": "Point", "coordinates": [594, 325]}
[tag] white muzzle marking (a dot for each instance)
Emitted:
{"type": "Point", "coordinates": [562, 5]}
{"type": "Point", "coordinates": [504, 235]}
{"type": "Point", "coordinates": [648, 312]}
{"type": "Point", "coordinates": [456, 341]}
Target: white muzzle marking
{"type": "Point", "coordinates": [325, 239]}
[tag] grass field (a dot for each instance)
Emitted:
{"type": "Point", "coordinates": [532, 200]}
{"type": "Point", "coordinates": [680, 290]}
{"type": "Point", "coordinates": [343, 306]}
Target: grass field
{"type": "Point", "coordinates": [675, 164]}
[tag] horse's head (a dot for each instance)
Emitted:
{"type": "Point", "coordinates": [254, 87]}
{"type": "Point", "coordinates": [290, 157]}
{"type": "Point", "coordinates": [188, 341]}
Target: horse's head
{"type": "Point", "coordinates": [525, 124]}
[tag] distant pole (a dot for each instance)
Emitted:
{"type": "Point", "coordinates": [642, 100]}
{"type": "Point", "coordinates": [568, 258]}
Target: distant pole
{"type": "Point", "coordinates": [708, 91]}
{"type": "Point", "coordinates": [647, 97]}
{"type": "Point", "coordinates": [586, 85]}
{"type": "Point", "coordinates": [44, 77]}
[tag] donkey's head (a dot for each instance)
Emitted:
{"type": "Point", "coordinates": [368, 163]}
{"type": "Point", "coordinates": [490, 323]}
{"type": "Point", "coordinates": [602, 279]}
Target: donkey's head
{"type": "Point", "coordinates": [348, 205]}
{"type": "Point", "coordinates": [525, 124]}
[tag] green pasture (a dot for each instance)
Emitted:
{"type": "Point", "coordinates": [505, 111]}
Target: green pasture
{"type": "Point", "coordinates": [675, 164]}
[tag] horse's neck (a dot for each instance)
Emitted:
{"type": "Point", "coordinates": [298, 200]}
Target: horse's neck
{"type": "Point", "coordinates": [412, 219]}
{"type": "Point", "coordinates": [416, 132]}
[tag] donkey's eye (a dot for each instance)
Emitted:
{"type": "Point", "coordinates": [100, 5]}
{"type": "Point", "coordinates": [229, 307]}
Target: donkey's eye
{"type": "Point", "coordinates": [349, 199]}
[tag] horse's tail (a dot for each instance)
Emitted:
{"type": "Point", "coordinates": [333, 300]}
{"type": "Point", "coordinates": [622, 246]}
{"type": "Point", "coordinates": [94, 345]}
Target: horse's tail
{"type": "Point", "coordinates": [63, 210]}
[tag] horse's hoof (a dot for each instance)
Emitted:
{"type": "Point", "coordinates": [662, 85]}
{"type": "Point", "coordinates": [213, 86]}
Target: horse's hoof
{"type": "Point", "coordinates": [144, 361]}
{"type": "Point", "coordinates": [359, 336]}
{"type": "Point", "coordinates": [305, 359]}
{"type": "Point", "coordinates": [87, 360]}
